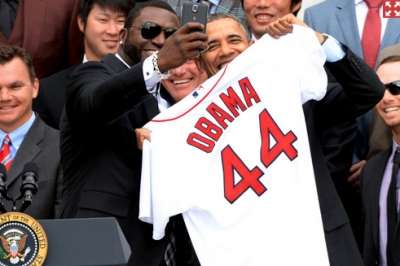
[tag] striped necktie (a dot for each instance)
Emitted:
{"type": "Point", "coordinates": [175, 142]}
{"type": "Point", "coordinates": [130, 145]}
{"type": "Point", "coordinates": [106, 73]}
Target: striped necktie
{"type": "Point", "coordinates": [5, 152]}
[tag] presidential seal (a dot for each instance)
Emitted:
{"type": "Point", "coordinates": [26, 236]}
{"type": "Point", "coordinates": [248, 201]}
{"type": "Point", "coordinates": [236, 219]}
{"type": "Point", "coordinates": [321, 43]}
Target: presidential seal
{"type": "Point", "coordinates": [23, 242]}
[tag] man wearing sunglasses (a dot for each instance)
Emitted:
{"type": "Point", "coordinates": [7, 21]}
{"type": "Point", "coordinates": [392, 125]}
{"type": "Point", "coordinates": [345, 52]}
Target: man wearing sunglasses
{"type": "Point", "coordinates": [380, 180]}
{"type": "Point", "coordinates": [105, 102]}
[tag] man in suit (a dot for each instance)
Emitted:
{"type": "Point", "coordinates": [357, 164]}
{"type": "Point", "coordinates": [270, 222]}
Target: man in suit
{"type": "Point", "coordinates": [346, 20]}
{"type": "Point", "coordinates": [47, 29]}
{"type": "Point", "coordinates": [359, 92]}
{"type": "Point", "coordinates": [352, 23]}
{"type": "Point", "coordinates": [24, 136]}
{"type": "Point", "coordinates": [105, 102]}
{"type": "Point", "coordinates": [381, 239]}
{"type": "Point", "coordinates": [101, 22]}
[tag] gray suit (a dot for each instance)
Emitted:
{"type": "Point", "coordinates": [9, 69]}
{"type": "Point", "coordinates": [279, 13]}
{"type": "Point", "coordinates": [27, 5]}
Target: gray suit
{"type": "Point", "coordinates": [40, 146]}
{"type": "Point", "coordinates": [338, 18]}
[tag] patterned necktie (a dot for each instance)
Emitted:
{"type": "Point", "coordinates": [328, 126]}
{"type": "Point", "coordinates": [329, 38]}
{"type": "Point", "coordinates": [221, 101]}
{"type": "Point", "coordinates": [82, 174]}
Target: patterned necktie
{"type": "Point", "coordinates": [5, 152]}
{"type": "Point", "coordinates": [392, 207]}
{"type": "Point", "coordinates": [371, 37]}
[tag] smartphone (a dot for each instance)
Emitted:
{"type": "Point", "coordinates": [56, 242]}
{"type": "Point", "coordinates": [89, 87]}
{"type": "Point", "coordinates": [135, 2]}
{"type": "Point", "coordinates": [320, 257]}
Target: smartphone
{"type": "Point", "coordinates": [196, 12]}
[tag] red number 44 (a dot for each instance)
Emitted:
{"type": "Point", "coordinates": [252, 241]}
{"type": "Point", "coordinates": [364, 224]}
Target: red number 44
{"type": "Point", "coordinates": [250, 178]}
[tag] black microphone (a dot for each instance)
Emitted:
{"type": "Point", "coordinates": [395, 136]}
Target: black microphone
{"type": "Point", "coordinates": [3, 187]}
{"type": "Point", "coordinates": [29, 185]}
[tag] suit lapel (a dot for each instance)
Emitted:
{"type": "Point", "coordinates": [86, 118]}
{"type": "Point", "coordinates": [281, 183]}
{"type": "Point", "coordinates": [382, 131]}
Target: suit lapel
{"type": "Point", "coordinates": [345, 12]}
{"type": "Point", "coordinates": [392, 33]}
{"type": "Point", "coordinates": [27, 151]}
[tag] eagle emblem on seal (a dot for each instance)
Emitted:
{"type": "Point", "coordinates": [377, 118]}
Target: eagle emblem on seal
{"type": "Point", "coordinates": [14, 247]}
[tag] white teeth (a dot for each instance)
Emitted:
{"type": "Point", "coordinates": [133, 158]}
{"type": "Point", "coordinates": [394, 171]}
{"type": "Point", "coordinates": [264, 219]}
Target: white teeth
{"type": "Point", "coordinates": [391, 109]}
{"type": "Point", "coordinates": [176, 82]}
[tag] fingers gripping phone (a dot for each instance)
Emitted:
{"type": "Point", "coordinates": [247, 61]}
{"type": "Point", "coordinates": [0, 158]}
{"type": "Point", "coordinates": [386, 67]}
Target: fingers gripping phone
{"type": "Point", "coordinates": [196, 12]}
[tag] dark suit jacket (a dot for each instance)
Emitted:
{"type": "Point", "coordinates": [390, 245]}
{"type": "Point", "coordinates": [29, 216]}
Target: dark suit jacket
{"type": "Point", "coordinates": [48, 30]}
{"type": "Point", "coordinates": [370, 188]}
{"type": "Point", "coordinates": [99, 153]}
{"type": "Point", "coordinates": [40, 146]}
{"type": "Point", "coordinates": [360, 90]}
{"type": "Point", "coordinates": [51, 98]}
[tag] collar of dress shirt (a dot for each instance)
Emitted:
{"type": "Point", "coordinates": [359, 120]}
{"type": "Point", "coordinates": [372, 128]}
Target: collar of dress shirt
{"type": "Point", "coordinates": [18, 135]}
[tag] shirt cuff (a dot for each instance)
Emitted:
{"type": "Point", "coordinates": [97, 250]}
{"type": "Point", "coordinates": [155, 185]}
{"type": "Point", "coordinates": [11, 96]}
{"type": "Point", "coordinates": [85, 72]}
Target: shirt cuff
{"type": "Point", "coordinates": [333, 49]}
{"type": "Point", "coordinates": [151, 77]}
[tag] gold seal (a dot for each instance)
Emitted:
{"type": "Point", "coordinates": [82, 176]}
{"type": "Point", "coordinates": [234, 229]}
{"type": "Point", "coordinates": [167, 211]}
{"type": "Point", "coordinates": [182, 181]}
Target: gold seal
{"type": "Point", "coordinates": [23, 242]}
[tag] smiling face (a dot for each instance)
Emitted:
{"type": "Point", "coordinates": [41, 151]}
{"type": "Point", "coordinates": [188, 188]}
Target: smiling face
{"type": "Point", "coordinates": [226, 40]}
{"type": "Point", "coordinates": [159, 16]}
{"type": "Point", "coordinates": [389, 107]}
{"type": "Point", "coordinates": [17, 91]}
{"type": "Point", "coordinates": [102, 31]}
{"type": "Point", "coordinates": [184, 79]}
{"type": "Point", "coordinates": [259, 13]}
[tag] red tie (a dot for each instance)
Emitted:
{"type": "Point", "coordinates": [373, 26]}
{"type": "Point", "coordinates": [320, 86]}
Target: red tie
{"type": "Point", "coordinates": [5, 153]}
{"type": "Point", "coordinates": [371, 37]}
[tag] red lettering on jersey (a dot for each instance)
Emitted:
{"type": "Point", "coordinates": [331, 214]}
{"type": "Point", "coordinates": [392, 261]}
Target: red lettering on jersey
{"type": "Point", "coordinates": [249, 178]}
{"type": "Point", "coordinates": [200, 142]}
{"type": "Point", "coordinates": [219, 114]}
{"type": "Point", "coordinates": [283, 142]}
{"type": "Point", "coordinates": [248, 92]}
{"type": "Point", "coordinates": [231, 162]}
{"type": "Point", "coordinates": [232, 102]}
{"type": "Point", "coordinates": [208, 128]}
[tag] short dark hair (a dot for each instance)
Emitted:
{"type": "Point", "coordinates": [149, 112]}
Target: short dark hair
{"type": "Point", "coordinates": [119, 5]}
{"type": "Point", "coordinates": [135, 12]}
{"type": "Point", "coordinates": [9, 52]}
{"type": "Point", "coordinates": [219, 16]}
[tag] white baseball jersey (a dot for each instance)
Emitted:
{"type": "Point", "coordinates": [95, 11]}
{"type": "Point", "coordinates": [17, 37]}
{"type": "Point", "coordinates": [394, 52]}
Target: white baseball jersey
{"type": "Point", "coordinates": [233, 157]}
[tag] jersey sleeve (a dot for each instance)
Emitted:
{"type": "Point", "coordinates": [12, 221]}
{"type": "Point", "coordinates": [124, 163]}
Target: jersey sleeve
{"type": "Point", "coordinates": [149, 204]}
{"type": "Point", "coordinates": [162, 185]}
{"type": "Point", "coordinates": [310, 65]}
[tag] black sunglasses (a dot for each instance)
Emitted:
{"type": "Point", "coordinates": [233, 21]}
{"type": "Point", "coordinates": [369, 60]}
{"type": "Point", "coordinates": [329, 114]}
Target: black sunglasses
{"type": "Point", "coordinates": [150, 30]}
{"type": "Point", "coordinates": [393, 87]}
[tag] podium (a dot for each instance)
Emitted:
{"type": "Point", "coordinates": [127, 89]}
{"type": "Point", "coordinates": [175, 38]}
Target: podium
{"type": "Point", "coordinates": [85, 242]}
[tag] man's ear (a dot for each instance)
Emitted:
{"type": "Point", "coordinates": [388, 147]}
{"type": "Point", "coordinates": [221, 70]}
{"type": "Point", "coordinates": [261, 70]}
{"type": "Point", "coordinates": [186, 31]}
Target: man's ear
{"type": "Point", "coordinates": [123, 35]}
{"type": "Point", "coordinates": [35, 85]}
{"type": "Point", "coordinates": [81, 24]}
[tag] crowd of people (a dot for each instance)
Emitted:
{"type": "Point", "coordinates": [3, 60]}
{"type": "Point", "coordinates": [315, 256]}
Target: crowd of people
{"type": "Point", "coordinates": [79, 81]}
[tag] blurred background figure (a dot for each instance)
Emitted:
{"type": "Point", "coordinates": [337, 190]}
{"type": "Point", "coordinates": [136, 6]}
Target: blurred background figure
{"type": "Point", "coordinates": [47, 29]}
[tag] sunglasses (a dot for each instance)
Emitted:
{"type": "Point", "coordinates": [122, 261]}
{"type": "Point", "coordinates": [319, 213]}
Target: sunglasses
{"type": "Point", "coordinates": [393, 87]}
{"type": "Point", "coordinates": [150, 30]}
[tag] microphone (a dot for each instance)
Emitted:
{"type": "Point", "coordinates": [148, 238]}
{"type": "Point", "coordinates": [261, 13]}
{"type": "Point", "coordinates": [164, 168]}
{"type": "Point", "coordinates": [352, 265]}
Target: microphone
{"type": "Point", "coordinates": [3, 187]}
{"type": "Point", "coordinates": [29, 185]}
